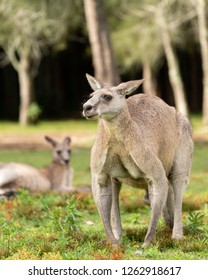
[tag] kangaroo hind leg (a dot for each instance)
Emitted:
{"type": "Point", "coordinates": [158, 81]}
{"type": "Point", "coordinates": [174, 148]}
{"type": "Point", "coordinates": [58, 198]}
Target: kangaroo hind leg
{"type": "Point", "coordinates": [179, 178]}
{"type": "Point", "coordinates": [102, 193]}
{"type": "Point", "coordinates": [115, 211]}
{"type": "Point", "coordinates": [168, 211]}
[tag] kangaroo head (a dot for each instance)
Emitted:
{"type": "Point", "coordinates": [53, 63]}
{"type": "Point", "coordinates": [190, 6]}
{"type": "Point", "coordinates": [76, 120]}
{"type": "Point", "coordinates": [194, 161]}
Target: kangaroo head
{"type": "Point", "coordinates": [61, 151]}
{"type": "Point", "coordinates": [107, 102]}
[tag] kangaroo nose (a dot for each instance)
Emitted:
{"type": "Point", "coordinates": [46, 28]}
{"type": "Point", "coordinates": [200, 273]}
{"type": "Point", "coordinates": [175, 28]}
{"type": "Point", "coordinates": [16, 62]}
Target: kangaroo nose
{"type": "Point", "coordinates": [88, 108]}
{"type": "Point", "coordinates": [66, 161]}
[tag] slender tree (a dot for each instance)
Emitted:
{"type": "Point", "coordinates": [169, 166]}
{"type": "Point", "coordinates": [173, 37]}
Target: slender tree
{"type": "Point", "coordinates": [155, 26]}
{"type": "Point", "coordinates": [149, 83]}
{"type": "Point", "coordinates": [100, 41]}
{"type": "Point", "coordinates": [28, 28]}
{"type": "Point", "coordinates": [201, 8]}
{"type": "Point", "coordinates": [173, 67]}
{"type": "Point", "coordinates": [137, 43]}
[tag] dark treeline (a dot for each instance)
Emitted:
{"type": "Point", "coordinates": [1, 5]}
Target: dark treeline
{"type": "Point", "coordinates": [61, 86]}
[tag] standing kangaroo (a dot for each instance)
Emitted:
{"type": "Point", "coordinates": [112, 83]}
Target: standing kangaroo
{"type": "Point", "coordinates": [145, 143]}
{"type": "Point", "coordinates": [57, 176]}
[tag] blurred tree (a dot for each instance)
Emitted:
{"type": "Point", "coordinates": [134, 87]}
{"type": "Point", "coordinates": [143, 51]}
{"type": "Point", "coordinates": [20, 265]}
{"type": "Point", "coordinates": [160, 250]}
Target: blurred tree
{"type": "Point", "coordinates": [166, 20]}
{"type": "Point", "coordinates": [137, 43]}
{"type": "Point", "coordinates": [28, 28]}
{"type": "Point", "coordinates": [99, 36]}
{"type": "Point", "coordinates": [149, 29]}
{"type": "Point", "coordinates": [201, 8]}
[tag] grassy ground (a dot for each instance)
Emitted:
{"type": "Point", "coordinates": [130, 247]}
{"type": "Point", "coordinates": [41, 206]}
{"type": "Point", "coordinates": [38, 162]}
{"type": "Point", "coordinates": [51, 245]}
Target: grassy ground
{"type": "Point", "coordinates": [53, 226]}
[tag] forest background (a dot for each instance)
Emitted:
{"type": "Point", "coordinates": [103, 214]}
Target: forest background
{"type": "Point", "coordinates": [48, 46]}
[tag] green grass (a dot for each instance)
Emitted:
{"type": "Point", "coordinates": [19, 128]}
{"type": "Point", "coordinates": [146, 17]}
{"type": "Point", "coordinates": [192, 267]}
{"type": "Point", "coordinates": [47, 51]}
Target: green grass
{"type": "Point", "coordinates": [9, 128]}
{"type": "Point", "coordinates": [42, 226]}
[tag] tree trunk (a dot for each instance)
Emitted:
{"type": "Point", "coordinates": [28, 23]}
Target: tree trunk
{"type": "Point", "coordinates": [102, 52]}
{"type": "Point", "coordinates": [173, 67]}
{"type": "Point", "coordinates": [25, 89]}
{"type": "Point", "coordinates": [201, 11]}
{"type": "Point", "coordinates": [149, 83]}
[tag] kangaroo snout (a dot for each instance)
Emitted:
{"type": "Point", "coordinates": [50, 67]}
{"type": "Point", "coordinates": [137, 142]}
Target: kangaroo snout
{"type": "Point", "coordinates": [66, 161]}
{"type": "Point", "coordinates": [87, 108]}
{"type": "Point", "coordinates": [89, 111]}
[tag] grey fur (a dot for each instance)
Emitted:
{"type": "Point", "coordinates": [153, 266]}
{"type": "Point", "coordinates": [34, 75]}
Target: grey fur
{"type": "Point", "coordinates": [143, 142]}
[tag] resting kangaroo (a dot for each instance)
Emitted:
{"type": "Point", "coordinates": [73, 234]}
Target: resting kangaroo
{"type": "Point", "coordinates": [57, 176]}
{"type": "Point", "coordinates": [143, 142]}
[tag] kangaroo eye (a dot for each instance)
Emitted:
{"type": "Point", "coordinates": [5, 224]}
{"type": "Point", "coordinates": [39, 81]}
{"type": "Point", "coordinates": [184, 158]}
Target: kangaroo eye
{"type": "Point", "coordinates": [108, 97]}
{"type": "Point", "coordinates": [59, 152]}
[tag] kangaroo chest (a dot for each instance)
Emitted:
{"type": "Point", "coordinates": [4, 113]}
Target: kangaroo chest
{"type": "Point", "coordinates": [119, 163]}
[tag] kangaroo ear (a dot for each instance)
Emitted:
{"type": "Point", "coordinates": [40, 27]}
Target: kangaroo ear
{"type": "Point", "coordinates": [50, 141]}
{"type": "Point", "coordinates": [67, 140]}
{"type": "Point", "coordinates": [93, 82]}
{"type": "Point", "coordinates": [128, 87]}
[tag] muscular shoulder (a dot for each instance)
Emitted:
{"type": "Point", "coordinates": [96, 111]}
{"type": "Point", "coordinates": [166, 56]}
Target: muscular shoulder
{"type": "Point", "coordinates": [149, 106]}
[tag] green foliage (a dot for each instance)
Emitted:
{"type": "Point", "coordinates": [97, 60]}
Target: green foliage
{"type": "Point", "coordinates": [136, 30]}
{"type": "Point", "coordinates": [195, 222]}
{"type": "Point", "coordinates": [34, 112]}
{"type": "Point", "coordinates": [28, 28]}
{"type": "Point", "coordinates": [72, 216]}
{"type": "Point", "coordinates": [66, 220]}
{"type": "Point", "coordinates": [136, 38]}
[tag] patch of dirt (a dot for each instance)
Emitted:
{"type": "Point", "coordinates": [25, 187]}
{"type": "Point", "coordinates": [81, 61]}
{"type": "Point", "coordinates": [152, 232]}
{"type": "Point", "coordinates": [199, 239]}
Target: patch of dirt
{"type": "Point", "coordinates": [200, 137]}
{"type": "Point", "coordinates": [36, 140]}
